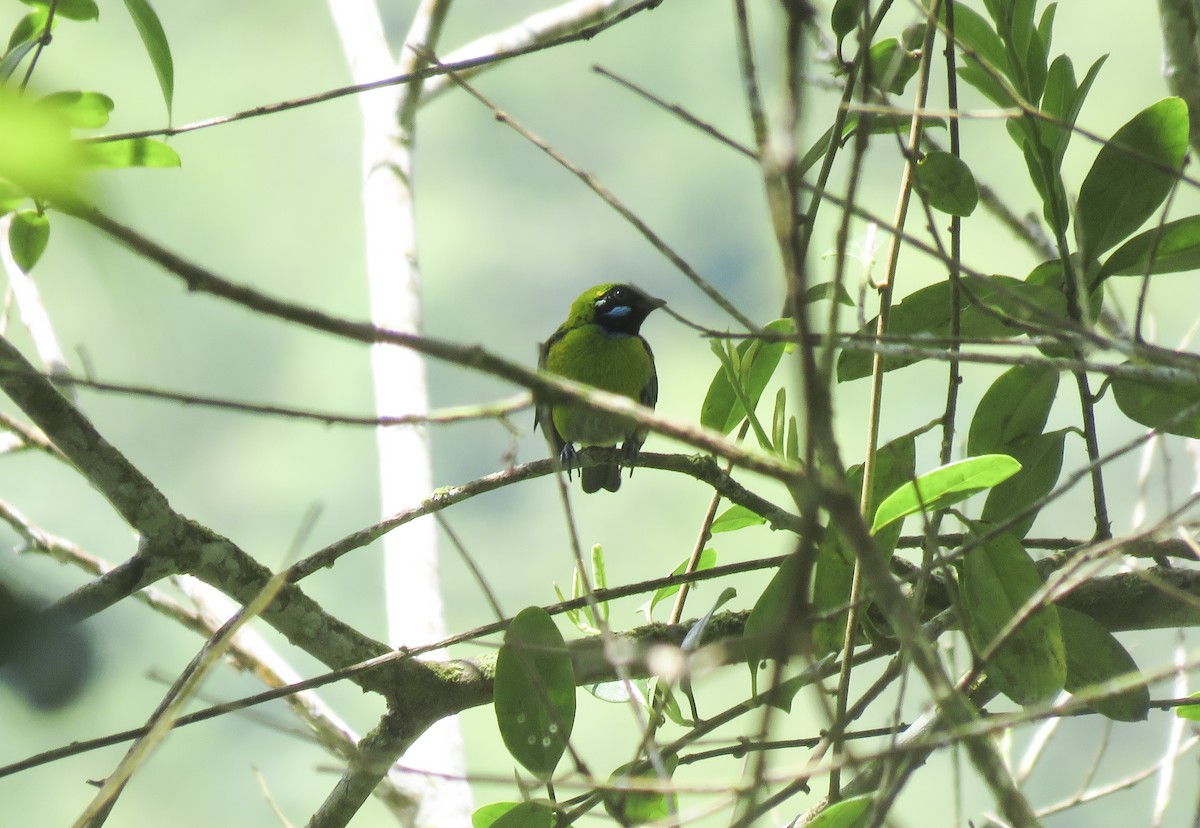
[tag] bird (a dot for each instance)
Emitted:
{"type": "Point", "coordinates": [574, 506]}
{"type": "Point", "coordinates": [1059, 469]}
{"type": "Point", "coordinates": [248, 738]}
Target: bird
{"type": "Point", "coordinates": [600, 345]}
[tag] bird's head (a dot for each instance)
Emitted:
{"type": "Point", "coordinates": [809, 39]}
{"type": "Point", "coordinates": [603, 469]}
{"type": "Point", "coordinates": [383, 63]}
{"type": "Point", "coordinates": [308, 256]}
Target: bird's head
{"type": "Point", "coordinates": [618, 309]}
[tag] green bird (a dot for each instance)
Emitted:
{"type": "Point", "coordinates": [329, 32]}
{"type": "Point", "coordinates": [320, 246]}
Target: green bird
{"type": "Point", "coordinates": [599, 345]}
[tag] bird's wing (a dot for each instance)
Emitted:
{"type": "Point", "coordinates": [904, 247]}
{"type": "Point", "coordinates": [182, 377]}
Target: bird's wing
{"type": "Point", "coordinates": [649, 395]}
{"type": "Point", "coordinates": [542, 415]}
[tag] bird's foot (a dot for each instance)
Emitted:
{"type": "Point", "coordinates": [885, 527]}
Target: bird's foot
{"type": "Point", "coordinates": [568, 458]}
{"type": "Point", "coordinates": [629, 454]}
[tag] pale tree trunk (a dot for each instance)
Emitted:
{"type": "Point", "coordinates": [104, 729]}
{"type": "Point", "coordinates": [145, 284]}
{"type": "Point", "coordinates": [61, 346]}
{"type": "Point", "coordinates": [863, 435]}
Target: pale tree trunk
{"type": "Point", "coordinates": [413, 594]}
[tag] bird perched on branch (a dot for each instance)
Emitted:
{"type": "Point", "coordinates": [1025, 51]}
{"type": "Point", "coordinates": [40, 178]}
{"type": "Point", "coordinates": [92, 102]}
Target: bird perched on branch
{"type": "Point", "coordinates": [599, 345]}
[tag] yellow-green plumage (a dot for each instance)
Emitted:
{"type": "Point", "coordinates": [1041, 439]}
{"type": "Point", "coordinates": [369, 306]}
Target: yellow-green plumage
{"type": "Point", "coordinates": [600, 345]}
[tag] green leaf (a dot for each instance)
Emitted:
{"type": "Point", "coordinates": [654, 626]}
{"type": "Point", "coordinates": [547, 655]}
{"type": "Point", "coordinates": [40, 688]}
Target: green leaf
{"type": "Point", "coordinates": [945, 486]}
{"type": "Point", "coordinates": [721, 409]}
{"type": "Point", "coordinates": [947, 184]}
{"type": "Point", "coordinates": [833, 573]}
{"type": "Point", "coordinates": [736, 517]}
{"type": "Point", "coordinates": [25, 35]}
{"type": "Point", "coordinates": [708, 559]}
{"type": "Point", "coordinates": [574, 616]}
{"type": "Point", "coordinates": [844, 814]}
{"type": "Point", "coordinates": [1029, 49]}
{"type": "Point", "coordinates": [1094, 656]}
{"type": "Point", "coordinates": [1172, 407]}
{"type": "Point", "coordinates": [159, 51]}
{"type": "Point", "coordinates": [976, 35]}
{"type": "Point", "coordinates": [28, 29]}
{"type": "Point", "coordinates": [1055, 209]}
{"type": "Point", "coordinates": [695, 634]}
{"type": "Point", "coordinates": [1045, 29]}
{"type": "Point", "coordinates": [973, 74]}
{"type": "Point", "coordinates": [80, 110]}
{"type": "Point", "coordinates": [630, 807]}
{"type": "Point", "coordinates": [989, 308]}
{"type": "Point", "coordinates": [765, 629]}
{"type": "Point", "coordinates": [997, 580]}
{"type": "Point", "coordinates": [895, 465]}
{"type": "Point", "coordinates": [513, 815]}
{"type": "Point", "coordinates": [891, 65]}
{"type": "Point", "coordinates": [1132, 175]}
{"type": "Point", "coordinates": [779, 421]}
{"type": "Point", "coordinates": [828, 290]}
{"type": "Point", "coordinates": [1041, 461]}
{"type": "Point", "coordinates": [1057, 99]}
{"type": "Point", "coordinates": [783, 694]}
{"type": "Point", "coordinates": [27, 237]}
{"type": "Point", "coordinates": [599, 581]}
{"type": "Point", "coordinates": [534, 696]}
{"type": "Point", "coordinates": [845, 16]}
{"type": "Point", "coordinates": [1172, 248]}
{"type": "Point", "coordinates": [70, 9]}
{"type": "Point", "coordinates": [1190, 712]}
{"type": "Point", "coordinates": [875, 123]}
{"type": "Point", "coordinates": [1013, 409]}
{"type": "Point", "coordinates": [1062, 102]}
{"type": "Point", "coordinates": [1049, 276]}
{"type": "Point", "coordinates": [129, 152]}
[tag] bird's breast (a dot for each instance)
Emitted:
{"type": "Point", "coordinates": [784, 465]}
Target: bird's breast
{"type": "Point", "coordinates": [618, 363]}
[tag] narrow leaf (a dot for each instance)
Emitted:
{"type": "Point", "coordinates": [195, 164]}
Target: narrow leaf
{"type": "Point", "coordinates": [945, 486]}
{"type": "Point", "coordinates": [721, 409]}
{"type": "Point", "coordinates": [24, 37]}
{"type": "Point", "coordinates": [159, 51]}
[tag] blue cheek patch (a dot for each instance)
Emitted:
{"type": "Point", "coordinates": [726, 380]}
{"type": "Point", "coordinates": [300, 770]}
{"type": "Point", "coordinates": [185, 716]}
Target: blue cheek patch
{"type": "Point", "coordinates": [617, 312]}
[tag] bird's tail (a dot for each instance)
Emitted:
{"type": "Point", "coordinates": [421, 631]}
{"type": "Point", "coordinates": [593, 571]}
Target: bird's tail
{"type": "Point", "coordinates": [605, 476]}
